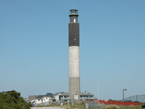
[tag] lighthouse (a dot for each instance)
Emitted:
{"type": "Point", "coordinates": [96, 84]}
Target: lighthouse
{"type": "Point", "coordinates": [74, 57]}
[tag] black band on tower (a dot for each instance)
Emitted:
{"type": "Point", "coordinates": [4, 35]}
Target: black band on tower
{"type": "Point", "coordinates": [73, 28]}
{"type": "Point", "coordinates": [73, 34]}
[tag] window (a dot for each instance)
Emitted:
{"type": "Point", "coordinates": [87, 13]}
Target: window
{"type": "Point", "coordinates": [74, 20]}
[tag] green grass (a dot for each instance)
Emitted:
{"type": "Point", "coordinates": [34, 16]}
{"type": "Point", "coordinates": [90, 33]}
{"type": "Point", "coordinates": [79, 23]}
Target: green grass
{"type": "Point", "coordinates": [80, 106]}
{"type": "Point", "coordinates": [131, 107]}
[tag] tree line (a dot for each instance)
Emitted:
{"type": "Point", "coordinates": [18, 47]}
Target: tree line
{"type": "Point", "coordinates": [13, 100]}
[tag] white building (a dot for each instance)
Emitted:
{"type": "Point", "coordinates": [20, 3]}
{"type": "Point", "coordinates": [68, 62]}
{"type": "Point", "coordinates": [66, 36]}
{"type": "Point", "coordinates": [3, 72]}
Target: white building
{"type": "Point", "coordinates": [65, 96]}
{"type": "Point", "coordinates": [61, 96]}
{"type": "Point", "coordinates": [43, 98]}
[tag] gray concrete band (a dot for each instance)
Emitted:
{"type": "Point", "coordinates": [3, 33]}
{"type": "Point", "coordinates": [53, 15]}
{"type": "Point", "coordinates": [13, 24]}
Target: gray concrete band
{"type": "Point", "coordinates": [74, 87]}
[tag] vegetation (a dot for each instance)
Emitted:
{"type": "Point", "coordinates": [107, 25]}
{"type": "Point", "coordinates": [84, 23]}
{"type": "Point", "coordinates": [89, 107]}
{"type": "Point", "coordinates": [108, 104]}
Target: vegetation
{"type": "Point", "coordinates": [111, 107]}
{"type": "Point", "coordinates": [82, 106]}
{"type": "Point", "coordinates": [111, 100]}
{"type": "Point", "coordinates": [53, 104]}
{"type": "Point", "coordinates": [124, 100]}
{"type": "Point", "coordinates": [143, 106]}
{"type": "Point", "coordinates": [12, 100]}
{"type": "Point", "coordinates": [65, 103]}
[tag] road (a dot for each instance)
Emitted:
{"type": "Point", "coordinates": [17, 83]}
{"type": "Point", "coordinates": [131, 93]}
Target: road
{"type": "Point", "coordinates": [46, 108]}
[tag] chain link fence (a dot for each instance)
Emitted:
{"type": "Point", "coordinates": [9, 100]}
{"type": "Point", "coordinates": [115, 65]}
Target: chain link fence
{"type": "Point", "coordinates": [42, 104]}
{"type": "Point", "coordinates": [47, 103]}
{"type": "Point", "coordinates": [138, 98]}
{"type": "Point", "coordinates": [93, 104]}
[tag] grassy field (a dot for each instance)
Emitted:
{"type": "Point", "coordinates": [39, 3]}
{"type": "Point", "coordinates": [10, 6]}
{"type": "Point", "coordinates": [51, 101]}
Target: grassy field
{"type": "Point", "coordinates": [124, 107]}
{"type": "Point", "coordinates": [79, 106]}
{"type": "Point", "coordinates": [82, 106]}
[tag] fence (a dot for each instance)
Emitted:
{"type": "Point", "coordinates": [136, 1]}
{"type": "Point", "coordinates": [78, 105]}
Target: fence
{"type": "Point", "coordinates": [42, 104]}
{"type": "Point", "coordinates": [139, 98]}
{"type": "Point", "coordinates": [118, 103]}
{"type": "Point", "coordinates": [100, 104]}
{"type": "Point", "coordinates": [47, 103]}
{"type": "Point", "coordinates": [95, 105]}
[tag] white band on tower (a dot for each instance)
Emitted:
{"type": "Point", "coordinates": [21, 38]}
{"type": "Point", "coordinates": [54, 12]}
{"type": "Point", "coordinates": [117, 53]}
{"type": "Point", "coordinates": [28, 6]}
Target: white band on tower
{"type": "Point", "coordinates": [74, 61]}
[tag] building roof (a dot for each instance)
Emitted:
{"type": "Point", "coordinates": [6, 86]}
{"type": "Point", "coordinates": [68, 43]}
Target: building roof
{"type": "Point", "coordinates": [47, 95]}
{"type": "Point", "coordinates": [32, 97]}
{"type": "Point", "coordinates": [58, 93]}
{"type": "Point", "coordinates": [52, 95]}
{"type": "Point", "coordinates": [67, 94]}
{"type": "Point", "coordinates": [64, 94]}
{"type": "Point", "coordinates": [86, 93]}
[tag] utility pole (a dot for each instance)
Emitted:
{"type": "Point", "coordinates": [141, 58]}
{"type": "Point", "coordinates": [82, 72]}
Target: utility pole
{"type": "Point", "coordinates": [143, 98]}
{"type": "Point", "coordinates": [68, 104]}
{"type": "Point", "coordinates": [123, 95]}
{"type": "Point", "coordinates": [98, 87]}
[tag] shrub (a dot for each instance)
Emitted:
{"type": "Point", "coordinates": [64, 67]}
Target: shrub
{"type": "Point", "coordinates": [13, 100]}
{"type": "Point", "coordinates": [110, 100]}
{"type": "Point", "coordinates": [111, 107]}
{"type": "Point", "coordinates": [143, 106]}
{"type": "Point", "coordinates": [53, 104]}
{"type": "Point", "coordinates": [131, 106]}
{"type": "Point", "coordinates": [83, 104]}
{"type": "Point", "coordinates": [65, 103]}
{"type": "Point", "coordinates": [136, 101]}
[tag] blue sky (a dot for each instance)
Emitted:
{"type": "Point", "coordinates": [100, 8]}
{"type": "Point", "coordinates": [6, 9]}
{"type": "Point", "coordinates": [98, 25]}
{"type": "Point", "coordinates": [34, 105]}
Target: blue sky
{"type": "Point", "coordinates": [34, 46]}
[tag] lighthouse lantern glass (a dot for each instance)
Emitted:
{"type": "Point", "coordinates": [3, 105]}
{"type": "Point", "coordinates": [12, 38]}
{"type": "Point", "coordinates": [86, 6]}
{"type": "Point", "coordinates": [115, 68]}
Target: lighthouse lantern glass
{"type": "Point", "coordinates": [74, 20]}
{"type": "Point", "coordinates": [74, 11]}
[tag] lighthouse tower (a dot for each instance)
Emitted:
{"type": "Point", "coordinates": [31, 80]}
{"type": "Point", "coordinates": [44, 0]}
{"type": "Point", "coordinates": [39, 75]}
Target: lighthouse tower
{"type": "Point", "coordinates": [74, 58]}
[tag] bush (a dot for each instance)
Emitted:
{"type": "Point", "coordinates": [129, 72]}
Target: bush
{"type": "Point", "coordinates": [128, 101]}
{"type": "Point", "coordinates": [12, 100]}
{"type": "Point", "coordinates": [136, 101]}
{"type": "Point", "coordinates": [83, 104]}
{"type": "Point", "coordinates": [111, 100]}
{"type": "Point", "coordinates": [143, 106]}
{"type": "Point", "coordinates": [111, 107]}
{"type": "Point", "coordinates": [53, 104]}
{"type": "Point", "coordinates": [131, 106]}
{"type": "Point", "coordinates": [65, 103]}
